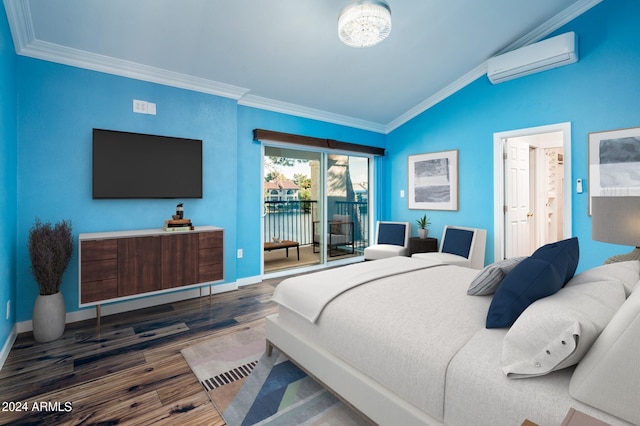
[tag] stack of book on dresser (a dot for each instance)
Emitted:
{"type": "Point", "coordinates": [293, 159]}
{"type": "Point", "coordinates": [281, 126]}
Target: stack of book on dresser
{"type": "Point", "coordinates": [177, 225]}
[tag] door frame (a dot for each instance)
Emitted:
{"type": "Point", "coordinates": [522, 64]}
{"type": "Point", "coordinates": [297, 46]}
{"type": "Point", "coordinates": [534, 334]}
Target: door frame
{"type": "Point", "coordinates": [499, 184]}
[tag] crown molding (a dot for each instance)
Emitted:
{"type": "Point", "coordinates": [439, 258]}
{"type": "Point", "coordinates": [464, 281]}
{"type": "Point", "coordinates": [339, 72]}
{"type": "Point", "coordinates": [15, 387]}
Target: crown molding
{"type": "Point", "coordinates": [101, 63]}
{"type": "Point", "coordinates": [562, 18]}
{"type": "Point", "coordinates": [438, 97]}
{"type": "Point", "coordinates": [538, 34]}
{"type": "Point", "coordinates": [26, 44]}
{"type": "Point", "coordinates": [306, 112]}
{"type": "Point", "coordinates": [20, 23]}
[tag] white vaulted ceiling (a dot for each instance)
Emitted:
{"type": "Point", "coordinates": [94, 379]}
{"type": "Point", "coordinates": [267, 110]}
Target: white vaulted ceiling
{"type": "Point", "coordinates": [284, 55]}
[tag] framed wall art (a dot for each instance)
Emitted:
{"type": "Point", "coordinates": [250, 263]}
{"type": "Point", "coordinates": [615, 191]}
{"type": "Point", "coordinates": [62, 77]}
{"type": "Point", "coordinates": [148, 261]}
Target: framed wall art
{"type": "Point", "coordinates": [433, 181]}
{"type": "Point", "coordinates": [614, 163]}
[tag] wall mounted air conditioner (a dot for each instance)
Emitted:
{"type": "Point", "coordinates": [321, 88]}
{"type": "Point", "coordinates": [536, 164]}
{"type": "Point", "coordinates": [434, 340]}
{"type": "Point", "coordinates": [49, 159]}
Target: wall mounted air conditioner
{"type": "Point", "coordinates": [543, 55]}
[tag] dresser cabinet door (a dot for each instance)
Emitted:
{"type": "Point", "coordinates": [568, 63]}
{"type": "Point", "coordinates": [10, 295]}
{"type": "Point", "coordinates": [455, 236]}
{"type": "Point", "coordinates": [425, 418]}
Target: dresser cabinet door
{"type": "Point", "coordinates": [139, 265]}
{"type": "Point", "coordinates": [179, 260]}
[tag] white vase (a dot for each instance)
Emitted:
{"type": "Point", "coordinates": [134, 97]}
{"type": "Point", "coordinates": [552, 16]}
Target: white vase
{"type": "Point", "coordinates": [422, 233]}
{"type": "Point", "coordinates": [49, 316]}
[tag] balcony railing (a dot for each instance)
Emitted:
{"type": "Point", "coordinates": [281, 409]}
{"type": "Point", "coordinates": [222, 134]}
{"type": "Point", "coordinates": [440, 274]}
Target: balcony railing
{"type": "Point", "coordinates": [359, 213]}
{"type": "Point", "coordinates": [293, 220]}
{"type": "Point", "coordinates": [290, 220]}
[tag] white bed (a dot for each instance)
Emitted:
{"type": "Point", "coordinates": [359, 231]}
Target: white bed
{"type": "Point", "coordinates": [412, 347]}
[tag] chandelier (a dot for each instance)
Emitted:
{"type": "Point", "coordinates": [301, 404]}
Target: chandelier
{"type": "Point", "coordinates": [364, 23]}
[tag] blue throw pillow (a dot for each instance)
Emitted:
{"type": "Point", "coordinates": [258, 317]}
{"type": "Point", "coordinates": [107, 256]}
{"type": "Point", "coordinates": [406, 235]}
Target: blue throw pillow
{"type": "Point", "coordinates": [542, 274]}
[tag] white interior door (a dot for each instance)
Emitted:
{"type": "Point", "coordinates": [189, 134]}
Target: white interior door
{"type": "Point", "coordinates": [542, 137]}
{"type": "Point", "coordinates": [517, 201]}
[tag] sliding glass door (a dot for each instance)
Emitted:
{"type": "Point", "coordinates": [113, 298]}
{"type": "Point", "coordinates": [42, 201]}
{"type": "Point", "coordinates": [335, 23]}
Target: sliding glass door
{"type": "Point", "coordinates": [347, 203]}
{"type": "Point", "coordinates": [293, 208]}
{"type": "Point", "coordinates": [316, 208]}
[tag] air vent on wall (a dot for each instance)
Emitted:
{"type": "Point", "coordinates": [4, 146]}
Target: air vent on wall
{"type": "Point", "coordinates": [551, 53]}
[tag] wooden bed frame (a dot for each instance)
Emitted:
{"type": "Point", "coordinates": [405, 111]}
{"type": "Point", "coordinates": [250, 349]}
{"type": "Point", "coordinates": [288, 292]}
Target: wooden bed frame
{"type": "Point", "coordinates": [355, 388]}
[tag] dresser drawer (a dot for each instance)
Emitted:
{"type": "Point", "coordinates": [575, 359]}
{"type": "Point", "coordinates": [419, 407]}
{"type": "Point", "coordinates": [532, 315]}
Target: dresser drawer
{"type": "Point", "coordinates": [99, 249]}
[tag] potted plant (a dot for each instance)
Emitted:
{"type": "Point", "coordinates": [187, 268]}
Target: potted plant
{"type": "Point", "coordinates": [50, 249]}
{"type": "Point", "coordinates": [423, 223]}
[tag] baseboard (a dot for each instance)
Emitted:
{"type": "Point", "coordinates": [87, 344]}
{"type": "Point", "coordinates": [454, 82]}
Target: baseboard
{"type": "Point", "coordinates": [249, 280]}
{"type": "Point", "coordinates": [131, 305]}
{"type": "Point", "coordinates": [8, 344]}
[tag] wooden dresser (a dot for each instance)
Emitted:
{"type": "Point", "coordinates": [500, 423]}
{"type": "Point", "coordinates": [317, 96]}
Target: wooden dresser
{"type": "Point", "coordinates": [117, 266]}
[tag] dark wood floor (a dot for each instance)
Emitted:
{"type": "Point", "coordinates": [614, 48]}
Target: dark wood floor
{"type": "Point", "coordinates": [132, 372]}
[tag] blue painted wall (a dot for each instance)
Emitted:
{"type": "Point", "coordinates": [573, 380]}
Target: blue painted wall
{"type": "Point", "coordinates": [58, 108]}
{"type": "Point", "coordinates": [8, 187]}
{"type": "Point", "coordinates": [598, 93]}
{"type": "Point", "coordinates": [46, 142]}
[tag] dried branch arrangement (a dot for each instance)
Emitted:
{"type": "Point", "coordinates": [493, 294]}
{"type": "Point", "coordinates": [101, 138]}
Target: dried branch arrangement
{"type": "Point", "coordinates": [50, 249]}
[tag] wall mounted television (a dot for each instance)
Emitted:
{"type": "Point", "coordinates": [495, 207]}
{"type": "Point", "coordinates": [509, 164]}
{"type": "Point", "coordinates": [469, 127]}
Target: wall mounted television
{"type": "Point", "coordinates": [134, 165]}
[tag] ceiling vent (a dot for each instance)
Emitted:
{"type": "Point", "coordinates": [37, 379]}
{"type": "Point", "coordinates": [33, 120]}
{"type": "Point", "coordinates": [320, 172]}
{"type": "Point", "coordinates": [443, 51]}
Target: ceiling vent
{"type": "Point", "coordinates": [551, 53]}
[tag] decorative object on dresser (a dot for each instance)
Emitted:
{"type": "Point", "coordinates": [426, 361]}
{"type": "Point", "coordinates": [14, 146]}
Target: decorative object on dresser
{"type": "Point", "coordinates": [617, 220]}
{"type": "Point", "coordinates": [422, 245]}
{"type": "Point", "coordinates": [423, 226]}
{"type": "Point", "coordinates": [117, 266]}
{"type": "Point", "coordinates": [177, 225]}
{"type": "Point", "coordinates": [178, 222]}
{"type": "Point", "coordinates": [50, 249]}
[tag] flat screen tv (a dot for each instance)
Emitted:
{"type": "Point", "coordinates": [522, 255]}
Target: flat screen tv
{"type": "Point", "coordinates": [134, 165]}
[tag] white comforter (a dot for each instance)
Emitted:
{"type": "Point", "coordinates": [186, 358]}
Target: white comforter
{"type": "Point", "coordinates": [401, 330]}
{"type": "Point", "coordinates": [421, 337]}
{"type": "Point", "coordinates": [308, 295]}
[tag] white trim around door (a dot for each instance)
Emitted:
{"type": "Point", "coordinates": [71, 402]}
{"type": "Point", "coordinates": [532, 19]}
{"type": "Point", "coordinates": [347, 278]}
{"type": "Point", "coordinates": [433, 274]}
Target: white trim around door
{"type": "Point", "coordinates": [499, 179]}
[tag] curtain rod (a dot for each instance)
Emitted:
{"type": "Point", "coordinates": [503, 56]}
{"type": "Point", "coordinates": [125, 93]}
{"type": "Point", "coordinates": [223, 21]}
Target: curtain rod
{"type": "Point", "coordinates": [269, 135]}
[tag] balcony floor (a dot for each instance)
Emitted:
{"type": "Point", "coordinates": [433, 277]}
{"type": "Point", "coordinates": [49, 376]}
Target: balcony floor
{"type": "Point", "coordinates": [277, 260]}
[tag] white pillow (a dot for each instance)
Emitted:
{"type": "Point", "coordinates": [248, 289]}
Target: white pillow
{"type": "Point", "coordinates": [488, 280]}
{"type": "Point", "coordinates": [608, 377]}
{"type": "Point", "coordinates": [627, 272]}
{"type": "Point", "coordinates": [556, 331]}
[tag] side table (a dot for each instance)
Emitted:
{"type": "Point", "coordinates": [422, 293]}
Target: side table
{"type": "Point", "coordinates": [422, 245]}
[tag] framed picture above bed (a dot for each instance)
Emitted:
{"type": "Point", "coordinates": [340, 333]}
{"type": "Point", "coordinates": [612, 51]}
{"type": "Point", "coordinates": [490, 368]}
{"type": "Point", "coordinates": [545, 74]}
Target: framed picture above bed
{"type": "Point", "coordinates": [614, 160]}
{"type": "Point", "coordinates": [433, 181]}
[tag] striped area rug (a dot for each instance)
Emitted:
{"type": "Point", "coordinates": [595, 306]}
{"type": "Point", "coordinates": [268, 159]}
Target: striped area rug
{"type": "Point", "coordinates": [237, 373]}
{"type": "Point", "coordinates": [279, 393]}
{"type": "Point", "coordinates": [247, 387]}
{"type": "Point", "coordinates": [223, 363]}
